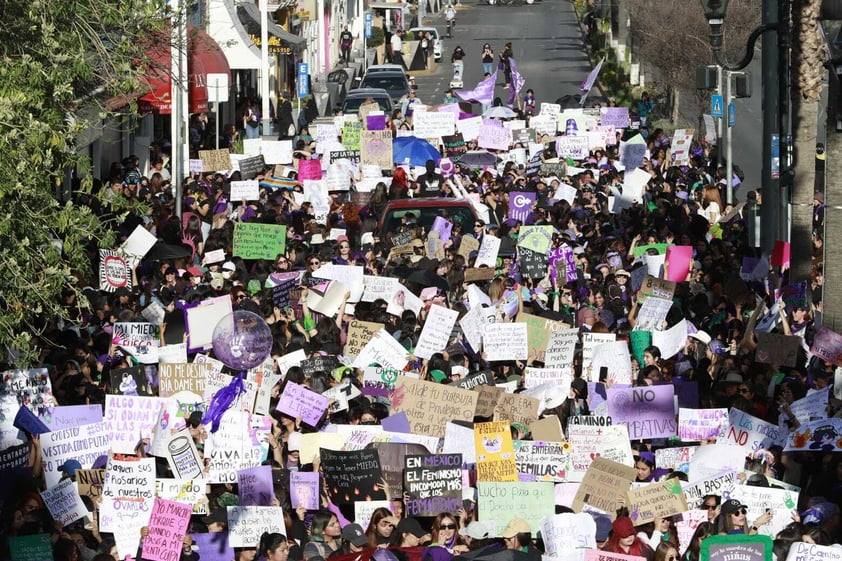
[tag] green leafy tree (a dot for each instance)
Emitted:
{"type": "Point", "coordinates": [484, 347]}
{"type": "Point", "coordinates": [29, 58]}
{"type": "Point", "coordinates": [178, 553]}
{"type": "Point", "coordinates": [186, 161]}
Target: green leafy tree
{"type": "Point", "coordinates": [58, 61]}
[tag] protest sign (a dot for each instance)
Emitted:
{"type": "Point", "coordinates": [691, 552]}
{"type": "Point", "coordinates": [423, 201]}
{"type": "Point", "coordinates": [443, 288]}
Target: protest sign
{"type": "Point", "coordinates": [494, 452]}
{"type": "Point", "coordinates": [824, 435]}
{"type": "Point", "coordinates": [429, 406]}
{"type": "Point", "coordinates": [574, 147]}
{"type": "Point", "coordinates": [561, 377]}
{"type": "Point", "coordinates": [539, 330]}
{"type": "Point", "coordinates": [672, 340]}
{"type": "Point", "coordinates": [129, 381]}
{"type": "Point", "coordinates": [492, 137]}
{"type": "Point", "coordinates": [436, 331]}
{"type": "Point", "coordinates": [812, 407]}
{"type": "Point", "coordinates": [613, 360]}
{"type": "Point", "coordinates": [759, 500]}
{"type": "Point", "coordinates": [560, 348]}
{"type": "Point", "coordinates": [656, 500]}
{"type": "Point", "coordinates": [432, 124]}
{"type": "Point", "coordinates": [35, 547]}
{"type": "Point", "coordinates": [183, 457]}
{"type": "Point", "coordinates": [259, 241]}
{"type": "Point", "coordinates": [376, 148]}
{"type": "Point", "coordinates": [589, 342]}
{"type": "Point", "coordinates": [139, 339]}
{"type": "Point", "coordinates": [566, 535]}
{"type": "Point", "coordinates": [114, 271]}
{"type": "Point", "coordinates": [127, 495]}
{"type": "Point", "coordinates": [487, 253]}
{"type": "Point", "coordinates": [185, 491]}
{"type": "Point", "coordinates": [712, 459]}
{"type": "Point", "coordinates": [299, 401]}
{"type": "Point", "coordinates": [539, 460]}
{"type": "Point", "coordinates": [85, 444]}
{"type": "Point", "coordinates": [532, 265]}
{"type": "Point", "coordinates": [742, 547]}
{"type": "Point", "coordinates": [827, 345]}
{"type": "Point", "coordinates": [777, 349]}
{"type": "Point", "coordinates": [245, 190]}
{"type": "Point", "coordinates": [128, 418]}
{"type": "Point", "coordinates": [379, 381]}
{"type": "Point", "coordinates": [648, 412]}
{"type": "Point", "coordinates": [801, 551]}
{"type": "Point", "coordinates": [686, 527]}
{"type": "Point", "coordinates": [653, 314]}
{"type": "Point", "coordinates": [215, 160]}
{"type": "Point", "coordinates": [304, 489]}
{"type": "Point", "coordinates": [505, 341]}
{"type": "Point", "coordinates": [64, 503]}
{"type": "Point", "coordinates": [364, 510]}
{"type": "Point", "coordinates": [359, 333]}
{"type": "Point", "coordinates": [384, 350]}
{"type": "Point", "coordinates": [89, 482]}
{"type": "Point", "coordinates": [178, 377]}
{"type": "Point", "coordinates": [632, 152]}
{"type": "Point", "coordinates": [254, 486]}
{"type": "Point", "coordinates": [599, 555]}
{"type": "Point", "coordinates": [483, 377]}
{"type": "Point", "coordinates": [320, 363]}
{"type": "Point", "coordinates": [702, 424]}
{"type": "Point", "coordinates": [609, 442]}
{"type": "Point", "coordinates": [498, 501]}
{"type": "Point", "coordinates": [750, 432]}
{"type": "Point", "coordinates": [517, 408]}
{"type": "Point", "coordinates": [247, 523]}
{"type": "Point", "coordinates": [226, 451]}
{"type": "Point", "coordinates": [167, 525]}
{"type": "Point", "coordinates": [352, 475]}
{"type": "Point", "coordinates": [657, 288]}
{"type": "Point", "coordinates": [213, 546]}
{"type": "Point", "coordinates": [351, 131]}
{"type": "Point", "coordinates": [605, 483]}
{"type": "Point", "coordinates": [69, 416]}
{"type": "Point", "coordinates": [393, 459]}
{"type": "Point", "coordinates": [677, 459]}
{"type": "Point", "coordinates": [433, 483]}
{"type": "Point", "coordinates": [277, 152]}
{"type": "Point", "coordinates": [548, 428]}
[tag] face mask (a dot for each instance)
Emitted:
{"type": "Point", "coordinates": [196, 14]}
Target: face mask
{"type": "Point", "coordinates": [227, 274]}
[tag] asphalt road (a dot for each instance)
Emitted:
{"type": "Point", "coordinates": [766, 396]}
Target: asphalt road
{"type": "Point", "coordinates": [547, 45]}
{"type": "Point", "coordinates": [546, 42]}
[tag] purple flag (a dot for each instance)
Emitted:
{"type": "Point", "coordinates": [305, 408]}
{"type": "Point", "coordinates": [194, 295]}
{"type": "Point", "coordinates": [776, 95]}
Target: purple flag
{"type": "Point", "coordinates": [589, 81]}
{"type": "Point", "coordinates": [520, 204]}
{"type": "Point", "coordinates": [483, 93]}
{"type": "Point", "coordinates": [517, 81]}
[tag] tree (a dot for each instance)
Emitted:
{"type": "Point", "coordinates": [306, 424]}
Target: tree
{"type": "Point", "coordinates": [56, 59]}
{"type": "Point", "coordinates": [656, 39]}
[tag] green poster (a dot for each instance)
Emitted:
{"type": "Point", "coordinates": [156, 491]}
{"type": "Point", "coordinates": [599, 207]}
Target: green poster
{"type": "Point", "coordinates": [259, 241]}
{"type": "Point", "coordinates": [37, 547]}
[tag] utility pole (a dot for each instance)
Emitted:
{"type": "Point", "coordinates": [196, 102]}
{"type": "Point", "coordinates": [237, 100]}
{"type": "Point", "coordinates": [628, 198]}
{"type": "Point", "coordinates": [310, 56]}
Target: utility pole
{"type": "Point", "coordinates": [771, 170]}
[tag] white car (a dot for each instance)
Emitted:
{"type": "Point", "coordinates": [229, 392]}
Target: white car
{"type": "Point", "coordinates": [438, 45]}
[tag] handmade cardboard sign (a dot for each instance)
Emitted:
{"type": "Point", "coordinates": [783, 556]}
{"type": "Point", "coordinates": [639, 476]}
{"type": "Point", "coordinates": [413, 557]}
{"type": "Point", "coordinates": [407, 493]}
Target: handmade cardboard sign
{"type": "Point", "coordinates": [604, 484]}
{"type": "Point", "coordinates": [495, 452]}
{"type": "Point", "coordinates": [656, 500]}
{"type": "Point", "coordinates": [429, 406]}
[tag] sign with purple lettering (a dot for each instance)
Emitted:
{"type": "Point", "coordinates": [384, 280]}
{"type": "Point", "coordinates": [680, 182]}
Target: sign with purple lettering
{"type": "Point", "coordinates": [562, 260]}
{"type": "Point", "coordinates": [520, 205]}
{"type": "Point", "coordinates": [444, 227]}
{"type": "Point", "coordinates": [298, 401]}
{"type": "Point", "coordinates": [647, 411]}
{"type": "Point", "coordinates": [615, 116]}
{"type": "Point", "coordinates": [433, 484]}
{"type": "Point", "coordinates": [701, 424]}
{"type": "Point", "coordinates": [827, 345]}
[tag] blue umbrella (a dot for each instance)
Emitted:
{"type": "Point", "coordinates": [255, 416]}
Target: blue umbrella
{"type": "Point", "coordinates": [413, 150]}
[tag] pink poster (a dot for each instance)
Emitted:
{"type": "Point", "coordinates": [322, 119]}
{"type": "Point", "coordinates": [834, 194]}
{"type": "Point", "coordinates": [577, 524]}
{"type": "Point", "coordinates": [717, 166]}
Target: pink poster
{"type": "Point", "coordinates": [678, 262]}
{"type": "Point", "coordinates": [167, 526]}
{"type": "Point", "coordinates": [309, 169]}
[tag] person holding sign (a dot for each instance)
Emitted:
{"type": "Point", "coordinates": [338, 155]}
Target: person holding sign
{"type": "Point", "coordinates": [445, 534]}
{"type": "Point", "coordinates": [732, 519]}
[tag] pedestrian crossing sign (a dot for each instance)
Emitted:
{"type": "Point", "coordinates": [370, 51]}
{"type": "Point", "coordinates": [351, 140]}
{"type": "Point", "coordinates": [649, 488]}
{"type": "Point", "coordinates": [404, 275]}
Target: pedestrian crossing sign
{"type": "Point", "coordinates": [716, 106]}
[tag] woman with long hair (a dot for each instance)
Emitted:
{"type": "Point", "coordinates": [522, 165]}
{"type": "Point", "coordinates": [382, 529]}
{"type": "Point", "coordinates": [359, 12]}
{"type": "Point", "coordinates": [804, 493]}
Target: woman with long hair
{"type": "Point", "coordinates": [324, 535]}
{"type": "Point", "coordinates": [666, 551]}
{"type": "Point", "coordinates": [693, 553]}
{"type": "Point", "coordinates": [445, 534]}
{"type": "Point", "coordinates": [732, 519]}
{"type": "Point", "coordinates": [399, 189]}
{"type": "Point", "coordinates": [381, 527]}
{"type": "Point", "coordinates": [711, 204]}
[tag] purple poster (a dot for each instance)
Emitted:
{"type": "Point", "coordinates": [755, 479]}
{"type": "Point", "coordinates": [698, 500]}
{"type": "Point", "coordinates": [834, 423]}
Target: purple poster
{"type": "Point", "coordinates": [375, 122]}
{"type": "Point", "coordinates": [255, 486]}
{"type": "Point", "coordinates": [443, 227]}
{"type": "Point", "coordinates": [213, 546]}
{"type": "Point", "coordinates": [647, 411]}
{"type": "Point", "coordinates": [520, 205]}
{"type": "Point", "coordinates": [304, 489]}
{"type": "Point", "coordinates": [562, 258]}
{"type": "Point", "coordinates": [615, 116]}
{"type": "Point", "coordinates": [298, 401]}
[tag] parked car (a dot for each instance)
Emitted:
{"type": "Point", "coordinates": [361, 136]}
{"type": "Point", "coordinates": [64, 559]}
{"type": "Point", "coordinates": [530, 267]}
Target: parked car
{"type": "Point", "coordinates": [424, 212]}
{"type": "Point", "coordinates": [384, 68]}
{"type": "Point", "coordinates": [393, 82]}
{"type": "Point", "coordinates": [355, 98]}
{"type": "Point", "coordinates": [438, 45]}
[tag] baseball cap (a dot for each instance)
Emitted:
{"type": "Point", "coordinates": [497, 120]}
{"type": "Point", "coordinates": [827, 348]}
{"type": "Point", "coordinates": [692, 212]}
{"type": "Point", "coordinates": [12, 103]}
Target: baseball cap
{"type": "Point", "coordinates": [623, 527]}
{"type": "Point", "coordinates": [476, 530]}
{"type": "Point", "coordinates": [603, 527]}
{"type": "Point", "coordinates": [229, 266]}
{"type": "Point", "coordinates": [514, 527]}
{"type": "Point", "coordinates": [354, 534]}
{"type": "Point", "coordinates": [731, 506]}
{"type": "Point", "coordinates": [69, 467]}
{"type": "Point", "coordinates": [411, 526]}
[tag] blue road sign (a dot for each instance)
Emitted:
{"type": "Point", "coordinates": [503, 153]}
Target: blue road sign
{"type": "Point", "coordinates": [732, 114]}
{"type": "Point", "coordinates": [303, 79]}
{"type": "Point", "coordinates": [716, 106]}
{"type": "Point", "coordinates": [369, 24]}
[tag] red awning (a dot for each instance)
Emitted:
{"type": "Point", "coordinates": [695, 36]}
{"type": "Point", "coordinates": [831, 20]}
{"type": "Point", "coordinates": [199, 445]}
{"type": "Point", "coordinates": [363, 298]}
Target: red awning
{"type": "Point", "coordinates": [204, 56]}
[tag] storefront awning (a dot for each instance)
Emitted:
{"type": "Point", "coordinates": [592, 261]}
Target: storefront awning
{"type": "Point", "coordinates": [281, 41]}
{"type": "Point", "coordinates": [204, 56]}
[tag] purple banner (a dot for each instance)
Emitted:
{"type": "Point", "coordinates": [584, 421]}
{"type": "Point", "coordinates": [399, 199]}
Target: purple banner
{"type": "Point", "coordinates": [443, 227]}
{"type": "Point", "coordinates": [213, 546]}
{"type": "Point", "coordinates": [563, 257]}
{"type": "Point", "coordinates": [304, 489]}
{"type": "Point", "coordinates": [648, 411]}
{"type": "Point", "coordinates": [520, 205]}
{"type": "Point", "coordinates": [255, 486]}
{"type": "Point", "coordinates": [615, 116]}
{"type": "Point", "coordinates": [375, 122]}
{"type": "Point", "coordinates": [69, 416]}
